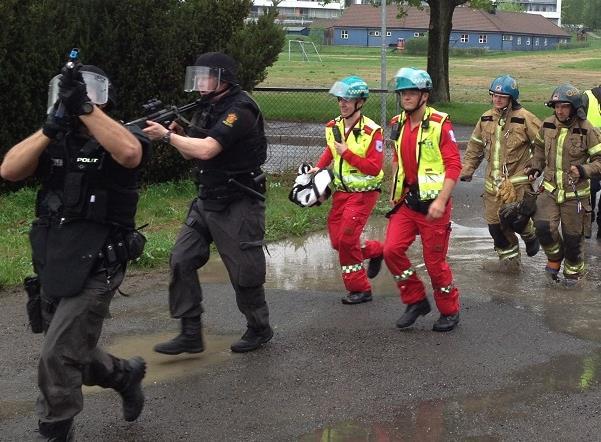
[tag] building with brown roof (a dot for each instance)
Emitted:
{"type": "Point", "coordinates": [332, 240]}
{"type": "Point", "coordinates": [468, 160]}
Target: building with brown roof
{"type": "Point", "coordinates": [472, 28]}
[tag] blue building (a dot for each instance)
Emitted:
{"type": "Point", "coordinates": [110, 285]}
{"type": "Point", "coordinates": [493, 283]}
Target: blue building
{"type": "Point", "coordinates": [472, 28]}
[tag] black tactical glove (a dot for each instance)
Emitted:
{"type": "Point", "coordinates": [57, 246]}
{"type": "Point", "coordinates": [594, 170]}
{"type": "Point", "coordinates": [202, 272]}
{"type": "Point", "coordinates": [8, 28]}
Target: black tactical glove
{"type": "Point", "coordinates": [52, 126]}
{"type": "Point", "coordinates": [73, 93]}
{"type": "Point", "coordinates": [508, 214]}
{"type": "Point", "coordinates": [527, 206]}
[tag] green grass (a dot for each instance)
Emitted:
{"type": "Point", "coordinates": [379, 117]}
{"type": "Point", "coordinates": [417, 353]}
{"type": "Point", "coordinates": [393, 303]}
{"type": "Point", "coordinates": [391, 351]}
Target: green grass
{"type": "Point", "coordinates": [163, 207]}
{"type": "Point", "coordinates": [591, 65]}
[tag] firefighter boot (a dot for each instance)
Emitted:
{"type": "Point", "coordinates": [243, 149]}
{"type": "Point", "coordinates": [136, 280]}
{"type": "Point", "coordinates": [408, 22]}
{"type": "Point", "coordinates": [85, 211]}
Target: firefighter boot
{"type": "Point", "coordinates": [552, 271]}
{"type": "Point", "coordinates": [412, 312]}
{"type": "Point", "coordinates": [374, 266]}
{"type": "Point", "coordinates": [188, 341]}
{"type": "Point", "coordinates": [131, 390]}
{"type": "Point", "coordinates": [507, 265]}
{"type": "Point", "coordinates": [61, 431]}
{"type": "Point", "coordinates": [532, 247]}
{"type": "Point", "coordinates": [446, 323]}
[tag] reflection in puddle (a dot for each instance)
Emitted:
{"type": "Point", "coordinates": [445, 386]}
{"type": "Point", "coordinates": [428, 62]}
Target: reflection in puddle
{"type": "Point", "coordinates": [309, 263]}
{"type": "Point", "coordinates": [461, 417]}
{"type": "Point", "coordinates": [163, 367]}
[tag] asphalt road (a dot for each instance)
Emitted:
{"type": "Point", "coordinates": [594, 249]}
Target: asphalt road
{"type": "Point", "coordinates": [524, 363]}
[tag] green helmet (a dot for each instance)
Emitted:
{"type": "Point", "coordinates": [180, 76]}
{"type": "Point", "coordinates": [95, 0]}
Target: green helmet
{"type": "Point", "coordinates": [566, 93]}
{"type": "Point", "coordinates": [412, 78]}
{"type": "Point", "coordinates": [350, 88]}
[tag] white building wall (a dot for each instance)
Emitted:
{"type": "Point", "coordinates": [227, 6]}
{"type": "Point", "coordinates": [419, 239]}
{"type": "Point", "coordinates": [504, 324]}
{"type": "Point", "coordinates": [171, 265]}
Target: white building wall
{"type": "Point", "coordinates": [302, 9]}
{"type": "Point", "coordinates": [547, 8]}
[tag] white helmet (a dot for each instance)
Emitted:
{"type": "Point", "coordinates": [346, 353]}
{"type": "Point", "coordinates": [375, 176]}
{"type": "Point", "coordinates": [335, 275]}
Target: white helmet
{"type": "Point", "coordinates": [310, 189]}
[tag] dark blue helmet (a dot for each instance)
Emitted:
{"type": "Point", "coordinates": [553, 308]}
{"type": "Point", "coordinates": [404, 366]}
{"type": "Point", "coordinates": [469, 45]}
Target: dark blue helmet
{"type": "Point", "coordinates": [505, 85]}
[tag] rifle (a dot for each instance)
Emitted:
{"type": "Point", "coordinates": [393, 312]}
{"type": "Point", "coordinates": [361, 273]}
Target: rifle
{"type": "Point", "coordinates": [155, 111]}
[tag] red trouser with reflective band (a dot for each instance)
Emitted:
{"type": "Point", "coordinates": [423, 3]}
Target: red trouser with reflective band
{"type": "Point", "coordinates": [349, 214]}
{"type": "Point", "coordinates": [403, 227]}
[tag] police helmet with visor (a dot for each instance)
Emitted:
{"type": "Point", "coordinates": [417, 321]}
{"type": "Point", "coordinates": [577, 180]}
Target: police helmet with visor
{"type": "Point", "coordinates": [350, 88]}
{"type": "Point", "coordinates": [505, 85]}
{"type": "Point", "coordinates": [411, 78]}
{"type": "Point", "coordinates": [98, 86]}
{"type": "Point", "coordinates": [210, 71]}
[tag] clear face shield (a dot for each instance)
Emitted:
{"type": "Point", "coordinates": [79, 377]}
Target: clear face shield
{"type": "Point", "coordinates": [97, 87]}
{"type": "Point", "coordinates": [202, 79]}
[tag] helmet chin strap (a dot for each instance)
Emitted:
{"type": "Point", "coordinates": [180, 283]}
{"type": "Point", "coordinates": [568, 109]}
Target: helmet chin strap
{"type": "Point", "coordinates": [357, 109]}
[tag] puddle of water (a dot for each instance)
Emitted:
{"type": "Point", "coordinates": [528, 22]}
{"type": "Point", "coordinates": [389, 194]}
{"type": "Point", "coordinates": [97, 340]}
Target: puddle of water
{"type": "Point", "coordinates": [163, 367]}
{"type": "Point", "coordinates": [457, 418]}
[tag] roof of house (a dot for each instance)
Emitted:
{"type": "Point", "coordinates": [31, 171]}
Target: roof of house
{"type": "Point", "coordinates": [464, 19]}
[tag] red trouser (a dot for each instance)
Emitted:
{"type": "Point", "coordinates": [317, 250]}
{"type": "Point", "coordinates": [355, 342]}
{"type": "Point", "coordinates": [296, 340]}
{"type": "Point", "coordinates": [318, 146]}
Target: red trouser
{"type": "Point", "coordinates": [349, 214]}
{"type": "Point", "coordinates": [403, 226]}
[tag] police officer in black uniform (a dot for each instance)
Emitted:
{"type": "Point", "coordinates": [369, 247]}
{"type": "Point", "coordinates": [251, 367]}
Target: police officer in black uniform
{"type": "Point", "coordinates": [226, 140]}
{"type": "Point", "coordinates": [88, 165]}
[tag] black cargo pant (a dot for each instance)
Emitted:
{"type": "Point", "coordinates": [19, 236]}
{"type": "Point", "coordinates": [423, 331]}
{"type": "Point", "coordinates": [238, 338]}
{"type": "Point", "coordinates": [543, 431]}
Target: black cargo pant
{"type": "Point", "coordinates": [238, 232]}
{"type": "Point", "coordinates": [70, 357]}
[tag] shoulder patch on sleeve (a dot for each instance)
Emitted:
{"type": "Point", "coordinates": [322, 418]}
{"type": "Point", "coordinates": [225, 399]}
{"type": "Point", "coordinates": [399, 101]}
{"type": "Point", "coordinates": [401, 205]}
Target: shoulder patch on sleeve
{"type": "Point", "coordinates": [437, 118]}
{"type": "Point", "coordinates": [368, 130]}
{"type": "Point", "coordinates": [549, 125]}
{"type": "Point", "coordinates": [486, 118]}
{"type": "Point", "coordinates": [579, 130]}
{"type": "Point", "coordinates": [331, 123]}
{"type": "Point", "coordinates": [518, 120]}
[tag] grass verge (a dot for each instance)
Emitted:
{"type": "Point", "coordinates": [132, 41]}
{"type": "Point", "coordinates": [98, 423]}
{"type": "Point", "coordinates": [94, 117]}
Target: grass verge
{"type": "Point", "coordinates": [163, 206]}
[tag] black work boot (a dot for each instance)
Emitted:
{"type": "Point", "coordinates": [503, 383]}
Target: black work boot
{"type": "Point", "coordinates": [446, 323]}
{"type": "Point", "coordinates": [252, 339]}
{"type": "Point", "coordinates": [413, 311]}
{"type": "Point", "coordinates": [532, 247]}
{"type": "Point", "coordinates": [131, 393]}
{"type": "Point", "coordinates": [61, 431]}
{"type": "Point", "coordinates": [356, 297]}
{"type": "Point", "coordinates": [188, 341]}
{"type": "Point", "coordinates": [374, 266]}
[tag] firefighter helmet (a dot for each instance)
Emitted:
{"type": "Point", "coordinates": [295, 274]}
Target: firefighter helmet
{"type": "Point", "coordinates": [505, 85]}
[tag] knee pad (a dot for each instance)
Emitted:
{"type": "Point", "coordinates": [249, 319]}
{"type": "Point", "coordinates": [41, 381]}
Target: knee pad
{"type": "Point", "coordinates": [572, 246]}
{"type": "Point", "coordinates": [501, 242]}
{"type": "Point", "coordinates": [543, 232]}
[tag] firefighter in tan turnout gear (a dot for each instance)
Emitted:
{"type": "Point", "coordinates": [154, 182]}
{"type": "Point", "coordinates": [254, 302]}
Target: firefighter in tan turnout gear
{"type": "Point", "coordinates": [504, 136]}
{"type": "Point", "coordinates": [567, 151]}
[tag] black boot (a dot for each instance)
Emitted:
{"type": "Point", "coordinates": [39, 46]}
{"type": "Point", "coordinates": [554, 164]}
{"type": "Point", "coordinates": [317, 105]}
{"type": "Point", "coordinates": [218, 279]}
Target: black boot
{"type": "Point", "coordinates": [374, 266]}
{"type": "Point", "coordinates": [188, 341]}
{"type": "Point", "coordinates": [413, 311]}
{"type": "Point", "coordinates": [532, 247]}
{"type": "Point", "coordinates": [446, 323]}
{"type": "Point", "coordinates": [61, 431]}
{"type": "Point", "coordinates": [252, 339]}
{"type": "Point", "coordinates": [131, 392]}
{"type": "Point", "coordinates": [356, 297]}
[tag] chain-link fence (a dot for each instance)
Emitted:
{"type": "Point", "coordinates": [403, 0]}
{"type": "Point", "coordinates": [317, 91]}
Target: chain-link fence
{"type": "Point", "coordinates": [295, 119]}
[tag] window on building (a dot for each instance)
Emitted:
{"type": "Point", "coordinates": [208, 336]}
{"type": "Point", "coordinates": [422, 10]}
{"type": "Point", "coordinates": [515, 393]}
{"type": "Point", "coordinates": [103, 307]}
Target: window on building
{"type": "Point", "coordinates": [536, 41]}
{"type": "Point", "coordinates": [507, 37]}
{"type": "Point", "coordinates": [483, 38]}
{"type": "Point", "coordinates": [344, 34]}
{"type": "Point", "coordinates": [465, 38]}
{"type": "Point", "coordinates": [374, 33]}
{"type": "Point", "coordinates": [388, 34]}
{"type": "Point", "coordinates": [418, 34]}
{"type": "Point", "coordinates": [546, 41]}
{"type": "Point", "coordinates": [518, 41]}
{"type": "Point", "coordinates": [527, 41]}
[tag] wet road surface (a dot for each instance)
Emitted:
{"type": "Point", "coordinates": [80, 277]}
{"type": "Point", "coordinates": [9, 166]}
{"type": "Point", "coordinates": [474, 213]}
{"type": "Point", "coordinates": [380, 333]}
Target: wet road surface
{"type": "Point", "coordinates": [524, 363]}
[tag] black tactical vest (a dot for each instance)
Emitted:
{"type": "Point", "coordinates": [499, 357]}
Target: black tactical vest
{"type": "Point", "coordinates": [250, 152]}
{"type": "Point", "coordinates": [81, 181]}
